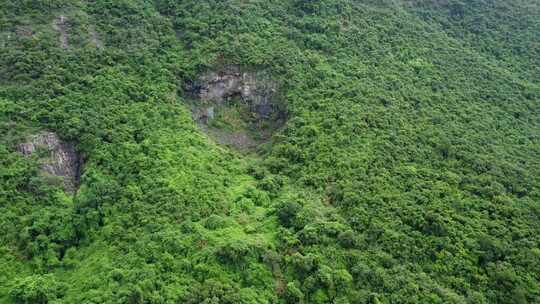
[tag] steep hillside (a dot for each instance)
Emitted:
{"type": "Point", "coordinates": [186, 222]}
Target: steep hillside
{"type": "Point", "coordinates": [250, 151]}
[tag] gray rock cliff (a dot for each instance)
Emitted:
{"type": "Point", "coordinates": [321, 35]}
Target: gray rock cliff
{"type": "Point", "coordinates": [255, 88]}
{"type": "Point", "coordinates": [61, 159]}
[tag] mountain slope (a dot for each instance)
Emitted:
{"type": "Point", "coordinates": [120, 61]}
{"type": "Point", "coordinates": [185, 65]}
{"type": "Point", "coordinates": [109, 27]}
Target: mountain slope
{"type": "Point", "coordinates": [407, 170]}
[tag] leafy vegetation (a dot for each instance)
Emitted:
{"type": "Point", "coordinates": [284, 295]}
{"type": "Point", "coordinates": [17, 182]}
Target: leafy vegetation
{"type": "Point", "coordinates": [408, 170]}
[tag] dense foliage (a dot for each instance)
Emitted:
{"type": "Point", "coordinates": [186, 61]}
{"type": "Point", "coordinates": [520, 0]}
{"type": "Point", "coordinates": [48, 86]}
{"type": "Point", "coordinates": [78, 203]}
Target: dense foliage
{"type": "Point", "coordinates": [408, 170]}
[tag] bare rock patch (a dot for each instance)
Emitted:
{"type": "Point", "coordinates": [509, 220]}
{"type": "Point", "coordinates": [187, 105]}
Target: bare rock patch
{"type": "Point", "coordinates": [94, 39]}
{"type": "Point", "coordinates": [238, 107]}
{"type": "Point", "coordinates": [61, 25]}
{"type": "Point", "coordinates": [57, 158]}
{"type": "Point", "coordinates": [255, 89]}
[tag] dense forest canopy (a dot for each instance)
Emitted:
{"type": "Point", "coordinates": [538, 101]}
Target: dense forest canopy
{"type": "Point", "coordinates": [405, 167]}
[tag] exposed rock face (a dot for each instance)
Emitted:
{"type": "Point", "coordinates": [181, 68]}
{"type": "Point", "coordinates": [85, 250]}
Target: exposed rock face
{"type": "Point", "coordinates": [255, 89]}
{"type": "Point", "coordinates": [204, 114]}
{"type": "Point", "coordinates": [61, 160]}
{"type": "Point", "coordinates": [94, 39]}
{"type": "Point", "coordinates": [61, 25]}
{"type": "Point", "coordinates": [238, 108]}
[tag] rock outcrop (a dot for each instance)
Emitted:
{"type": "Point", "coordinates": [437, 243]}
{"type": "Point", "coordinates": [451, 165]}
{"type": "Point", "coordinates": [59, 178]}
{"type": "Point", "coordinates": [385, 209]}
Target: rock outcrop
{"type": "Point", "coordinates": [204, 114]}
{"type": "Point", "coordinates": [61, 25]}
{"type": "Point", "coordinates": [94, 39]}
{"type": "Point", "coordinates": [59, 158]}
{"type": "Point", "coordinates": [236, 107]}
{"type": "Point", "coordinates": [255, 88]}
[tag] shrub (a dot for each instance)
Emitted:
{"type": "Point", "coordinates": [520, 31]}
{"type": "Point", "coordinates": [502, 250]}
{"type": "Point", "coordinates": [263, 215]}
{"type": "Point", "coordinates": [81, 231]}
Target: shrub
{"type": "Point", "coordinates": [37, 289]}
{"type": "Point", "coordinates": [287, 212]}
